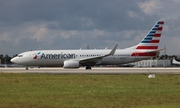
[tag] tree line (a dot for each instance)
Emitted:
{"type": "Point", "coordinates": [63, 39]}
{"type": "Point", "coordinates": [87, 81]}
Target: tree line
{"type": "Point", "coordinates": [6, 59]}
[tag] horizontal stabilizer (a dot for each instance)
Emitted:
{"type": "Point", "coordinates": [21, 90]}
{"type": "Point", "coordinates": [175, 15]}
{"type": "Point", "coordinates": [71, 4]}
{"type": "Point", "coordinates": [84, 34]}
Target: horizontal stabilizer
{"type": "Point", "coordinates": [156, 51]}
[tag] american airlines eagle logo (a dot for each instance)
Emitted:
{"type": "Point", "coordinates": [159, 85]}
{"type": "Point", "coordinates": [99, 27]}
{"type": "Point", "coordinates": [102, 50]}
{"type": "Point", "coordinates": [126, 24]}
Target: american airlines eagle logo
{"type": "Point", "coordinates": [36, 55]}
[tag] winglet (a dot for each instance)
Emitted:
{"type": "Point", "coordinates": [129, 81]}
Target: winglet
{"type": "Point", "coordinates": [113, 50]}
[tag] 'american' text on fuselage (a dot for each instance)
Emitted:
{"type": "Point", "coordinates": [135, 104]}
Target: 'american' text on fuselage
{"type": "Point", "coordinates": [57, 56]}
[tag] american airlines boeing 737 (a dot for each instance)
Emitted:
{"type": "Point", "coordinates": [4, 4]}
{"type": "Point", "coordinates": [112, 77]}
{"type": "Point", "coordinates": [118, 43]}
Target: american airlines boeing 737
{"type": "Point", "coordinates": [146, 49]}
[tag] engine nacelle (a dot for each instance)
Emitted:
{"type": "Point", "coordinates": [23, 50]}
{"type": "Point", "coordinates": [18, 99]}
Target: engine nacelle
{"type": "Point", "coordinates": [71, 64]}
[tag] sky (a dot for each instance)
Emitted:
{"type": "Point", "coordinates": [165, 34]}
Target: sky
{"type": "Point", "coordinates": [73, 24]}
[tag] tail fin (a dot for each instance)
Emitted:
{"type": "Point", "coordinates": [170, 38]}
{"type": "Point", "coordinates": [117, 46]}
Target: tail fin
{"type": "Point", "coordinates": [152, 39]}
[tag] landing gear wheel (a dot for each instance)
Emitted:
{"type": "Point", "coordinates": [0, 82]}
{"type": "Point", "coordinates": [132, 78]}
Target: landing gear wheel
{"type": "Point", "coordinates": [88, 67]}
{"type": "Point", "coordinates": [27, 68]}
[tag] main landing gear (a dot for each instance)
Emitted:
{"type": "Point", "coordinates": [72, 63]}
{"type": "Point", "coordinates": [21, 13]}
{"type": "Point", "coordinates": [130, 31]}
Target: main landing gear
{"type": "Point", "coordinates": [88, 67]}
{"type": "Point", "coordinates": [27, 68]}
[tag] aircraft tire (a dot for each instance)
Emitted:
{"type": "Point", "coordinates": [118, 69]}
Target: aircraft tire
{"type": "Point", "coordinates": [88, 68]}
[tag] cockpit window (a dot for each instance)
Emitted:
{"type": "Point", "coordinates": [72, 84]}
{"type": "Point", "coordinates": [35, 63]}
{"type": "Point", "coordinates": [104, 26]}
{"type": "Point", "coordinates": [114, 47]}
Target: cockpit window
{"type": "Point", "coordinates": [20, 55]}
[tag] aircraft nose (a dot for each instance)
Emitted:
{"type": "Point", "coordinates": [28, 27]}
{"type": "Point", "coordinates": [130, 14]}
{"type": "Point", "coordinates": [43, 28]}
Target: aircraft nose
{"type": "Point", "coordinates": [13, 60]}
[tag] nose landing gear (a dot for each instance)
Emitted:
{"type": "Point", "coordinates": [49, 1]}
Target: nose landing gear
{"type": "Point", "coordinates": [88, 67]}
{"type": "Point", "coordinates": [27, 68]}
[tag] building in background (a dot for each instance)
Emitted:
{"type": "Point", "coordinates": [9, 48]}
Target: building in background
{"type": "Point", "coordinates": [153, 63]}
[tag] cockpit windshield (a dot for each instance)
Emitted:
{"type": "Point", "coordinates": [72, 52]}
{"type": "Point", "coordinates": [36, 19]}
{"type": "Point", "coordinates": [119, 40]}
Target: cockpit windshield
{"type": "Point", "coordinates": [20, 55]}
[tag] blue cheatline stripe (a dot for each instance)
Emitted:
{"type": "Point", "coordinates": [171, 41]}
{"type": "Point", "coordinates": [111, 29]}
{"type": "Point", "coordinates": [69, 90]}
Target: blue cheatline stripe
{"type": "Point", "coordinates": [160, 22]}
{"type": "Point", "coordinates": [150, 35]}
{"type": "Point", "coordinates": [145, 42]}
{"type": "Point", "coordinates": [152, 32]}
{"type": "Point", "coordinates": [156, 26]}
{"type": "Point", "coordinates": [148, 38]}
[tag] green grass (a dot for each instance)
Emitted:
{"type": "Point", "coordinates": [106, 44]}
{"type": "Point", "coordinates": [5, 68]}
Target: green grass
{"type": "Point", "coordinates": [87, 91]}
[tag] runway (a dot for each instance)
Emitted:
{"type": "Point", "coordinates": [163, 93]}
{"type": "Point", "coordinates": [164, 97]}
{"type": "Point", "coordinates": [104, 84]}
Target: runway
{"type": "Point", "coordinates": [96, 70]}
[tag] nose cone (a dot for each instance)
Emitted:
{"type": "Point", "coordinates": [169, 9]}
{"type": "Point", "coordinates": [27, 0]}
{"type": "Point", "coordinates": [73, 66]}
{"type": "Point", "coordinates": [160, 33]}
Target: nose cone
{"type": "Point", "coordinates": [13, 60]}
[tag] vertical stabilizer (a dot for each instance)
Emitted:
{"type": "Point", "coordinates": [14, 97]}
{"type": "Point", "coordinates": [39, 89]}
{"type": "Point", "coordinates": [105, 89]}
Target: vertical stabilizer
{"type": "Point", "coordinates": [152, 39]}
{"type": "Point", "coordinates": [150, 42]}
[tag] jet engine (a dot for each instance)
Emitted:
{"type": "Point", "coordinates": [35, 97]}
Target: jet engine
{"type": "Point", "coordinates": [71, 64]}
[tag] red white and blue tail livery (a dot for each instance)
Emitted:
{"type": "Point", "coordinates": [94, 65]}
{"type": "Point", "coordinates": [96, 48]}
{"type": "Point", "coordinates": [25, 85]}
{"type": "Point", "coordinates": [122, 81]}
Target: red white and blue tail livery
{"type": "Point", "coordinates": [146, 49]}
{"type": "Point", "coordinates": [150, 42]}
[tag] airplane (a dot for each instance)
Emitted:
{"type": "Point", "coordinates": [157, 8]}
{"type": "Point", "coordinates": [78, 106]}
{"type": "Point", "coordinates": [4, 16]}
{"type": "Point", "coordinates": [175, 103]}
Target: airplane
{"type": "Point", "coordinates": [175, 62]}
{"type": "Point", "coordinates": [146, 49]}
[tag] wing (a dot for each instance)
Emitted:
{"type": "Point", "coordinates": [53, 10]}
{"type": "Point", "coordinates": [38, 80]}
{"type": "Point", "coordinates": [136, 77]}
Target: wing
{"type": "Point", "coordinates": [97, 58]}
